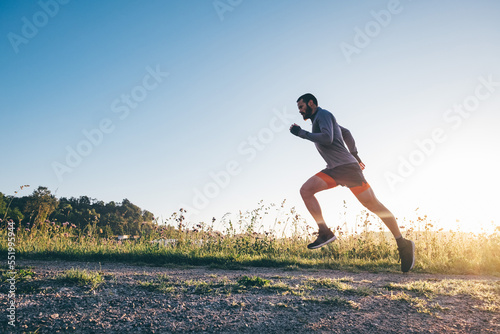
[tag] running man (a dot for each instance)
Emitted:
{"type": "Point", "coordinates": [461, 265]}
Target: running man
{"type": "Point", "coordinates": [344, 167]}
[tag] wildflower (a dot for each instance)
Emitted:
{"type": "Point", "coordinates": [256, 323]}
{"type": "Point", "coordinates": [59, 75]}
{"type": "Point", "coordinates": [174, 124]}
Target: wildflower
{"type": "Point", "coordinates": [65, 224]}
{"type": "Point", "coordinates": [73, 225]}
{"type": "Point", "coordinates": [27, 229]}
{"type": "Point", "coordinates": [66, 235]}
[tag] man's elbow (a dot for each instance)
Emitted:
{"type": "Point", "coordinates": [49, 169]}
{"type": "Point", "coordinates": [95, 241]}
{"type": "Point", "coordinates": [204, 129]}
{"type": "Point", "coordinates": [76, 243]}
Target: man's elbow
{"type": "Point", "coordinates": [346, 133]}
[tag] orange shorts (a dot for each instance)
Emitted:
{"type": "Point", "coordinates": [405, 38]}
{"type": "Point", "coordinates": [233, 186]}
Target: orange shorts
{"type": "Point", "coordinates": [349, 175]}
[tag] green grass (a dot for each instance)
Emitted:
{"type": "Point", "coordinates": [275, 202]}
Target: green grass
{"type": "Point", "coordinates": [487, 292]}
{"type": "Point", "coordinates": [420, 304]}
{"type": "Point", "coordinates": [240, 247]}
{"type": "Point", "coordinates": [333, 301]}
{"type": "Point", "coordinates": [163, 284]}
{"type": "Point", "coordinates": [340, 285]}
{"type": "Point", "coordinates": [216, 286]}
{"type": "Point", "coordinates": [450, 287]}
{"type": "Point", "coordinates": [23, 278]}
{"type": "Point", "coordinates": [213, 285]}
{"type": "Point", "coordinates": [20, 274]}
{"type": "Point", "coordinates": [254, 281]}
{"type": "Point", "coordinates": [81, 277]}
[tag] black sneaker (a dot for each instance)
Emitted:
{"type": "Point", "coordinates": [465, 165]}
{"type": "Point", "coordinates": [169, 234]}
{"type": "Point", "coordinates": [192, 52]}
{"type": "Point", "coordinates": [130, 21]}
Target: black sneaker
{"type": "Point", "coordinates": [324, 237]}
{"type": "Point", "coordinates": [407, 255]}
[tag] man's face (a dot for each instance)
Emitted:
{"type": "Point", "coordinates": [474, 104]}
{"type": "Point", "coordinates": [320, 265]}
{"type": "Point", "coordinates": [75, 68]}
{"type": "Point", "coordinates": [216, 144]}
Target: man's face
{"type": "Point", "coordinates": [305, 110]}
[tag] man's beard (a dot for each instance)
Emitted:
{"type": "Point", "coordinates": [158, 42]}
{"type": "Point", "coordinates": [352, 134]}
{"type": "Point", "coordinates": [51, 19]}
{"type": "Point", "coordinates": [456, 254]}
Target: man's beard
{"type": "Point", "coordinates": [308, 113]}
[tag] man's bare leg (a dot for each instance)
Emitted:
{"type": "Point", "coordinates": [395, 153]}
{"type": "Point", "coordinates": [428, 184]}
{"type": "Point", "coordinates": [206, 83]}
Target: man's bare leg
{"type": "Point", "coordinates": [312, 186]}
{"type": "Point", "coordinates": [316, 184]}
{"type": "Point", "coordinates": [406, 248]}
{"type": "Point", "coordinates": [370, 201]}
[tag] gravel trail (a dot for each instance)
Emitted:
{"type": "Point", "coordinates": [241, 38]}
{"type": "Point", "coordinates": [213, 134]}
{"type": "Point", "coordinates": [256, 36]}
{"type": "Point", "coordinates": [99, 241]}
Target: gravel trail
{"type": "Point", "coordinates": [146, 299]}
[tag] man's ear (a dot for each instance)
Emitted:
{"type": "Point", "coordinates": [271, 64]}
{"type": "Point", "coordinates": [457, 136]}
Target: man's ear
{"type": "Point", "coordinates": [311, 103]}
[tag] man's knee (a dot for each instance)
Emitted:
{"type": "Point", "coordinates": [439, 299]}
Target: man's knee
{"type": "Point", "coordinates": [374, 206]}
{"type": "Point", "coordinates": [369, 201]}
{"type": "Point", "coordinates": [306, 191]}
{"type": "Point", "coordinates": [314, 185]}
{"type": "Point", "coordinates": [371, 204]}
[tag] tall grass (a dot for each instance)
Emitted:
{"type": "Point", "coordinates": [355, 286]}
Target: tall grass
{"type": "Point", "coordinates": [245, 242]}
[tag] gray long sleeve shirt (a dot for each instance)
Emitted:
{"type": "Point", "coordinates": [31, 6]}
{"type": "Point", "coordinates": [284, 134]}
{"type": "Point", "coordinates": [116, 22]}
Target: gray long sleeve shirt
{"type": "Point", "coordinates": [329, 138]}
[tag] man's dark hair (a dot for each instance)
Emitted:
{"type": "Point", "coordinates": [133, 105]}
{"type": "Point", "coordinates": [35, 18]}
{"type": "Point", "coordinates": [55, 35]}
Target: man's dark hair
{"type": "Point", "coordinates": [308, 97]}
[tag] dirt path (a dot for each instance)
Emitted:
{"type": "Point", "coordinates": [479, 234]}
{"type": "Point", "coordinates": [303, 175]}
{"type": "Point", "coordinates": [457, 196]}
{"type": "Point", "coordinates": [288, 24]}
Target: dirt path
{"type": "Point", "coordinates": [143, 299]}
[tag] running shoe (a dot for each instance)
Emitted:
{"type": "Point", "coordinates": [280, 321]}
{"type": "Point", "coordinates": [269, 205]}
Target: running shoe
{"type": "Point", "coordinates": [324, 237]}
{"type": "Point", "coordinates": [407, 255]}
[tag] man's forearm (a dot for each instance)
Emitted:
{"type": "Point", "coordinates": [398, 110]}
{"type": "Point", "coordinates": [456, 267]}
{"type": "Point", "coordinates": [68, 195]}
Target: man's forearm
{"type": "Point", "coordinates": [320, 138]}
{"type": "Point", "coordinates": [349, 140]}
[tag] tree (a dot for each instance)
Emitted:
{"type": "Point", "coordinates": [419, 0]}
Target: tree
{"type": "Point", "coordinates": [8, 211]}
{"type": "Point", "coordinates": [3, 206]}
{"type": "Point", "coordinates": [112, 218]}
{"type": "Point", "coordinates": [147, 216]}
{"type": "Point", "coordinates": [40, 205]}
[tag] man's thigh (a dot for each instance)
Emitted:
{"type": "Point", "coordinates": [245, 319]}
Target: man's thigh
{"type": "Point", "coordinates": [316, 183]}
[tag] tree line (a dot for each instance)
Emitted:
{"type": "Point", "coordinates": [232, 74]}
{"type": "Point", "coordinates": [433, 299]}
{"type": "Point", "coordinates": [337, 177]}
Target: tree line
{"type": "Point", "coordinates": [110, 218]}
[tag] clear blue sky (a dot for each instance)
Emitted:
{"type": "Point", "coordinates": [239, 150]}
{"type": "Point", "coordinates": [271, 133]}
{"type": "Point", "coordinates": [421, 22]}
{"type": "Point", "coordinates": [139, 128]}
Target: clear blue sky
{"type": "Point", "coordinates": [183, 90]}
